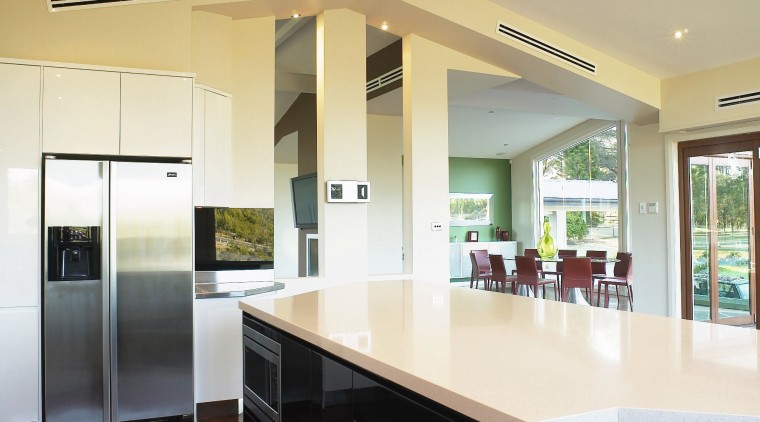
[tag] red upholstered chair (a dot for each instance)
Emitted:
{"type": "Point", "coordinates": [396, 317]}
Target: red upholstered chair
{"type": "Point", "coordinates": [576, 274]}
{"type": "Point", "coordinates": [539, 263]}
{"type": "Point", "coordinates": [481, 268]}
{"type": "Point", "coordinates": [621, 278]}
{"type": "Point", "coordinates": [599, 269]}
{"type": "Point", "coordinates": [527, 274]}
{"type": "Point", "coordinates": [499, 273]}
{"type": "Point", "coordinates": [562, 253]}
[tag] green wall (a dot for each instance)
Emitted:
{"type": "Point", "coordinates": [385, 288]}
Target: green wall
{"type": "Point", "coordinates": [482, 175]}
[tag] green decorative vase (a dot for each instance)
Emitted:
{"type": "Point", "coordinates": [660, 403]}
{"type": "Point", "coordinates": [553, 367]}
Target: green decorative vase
{"type": "Point", "coordinates": [546, 247]}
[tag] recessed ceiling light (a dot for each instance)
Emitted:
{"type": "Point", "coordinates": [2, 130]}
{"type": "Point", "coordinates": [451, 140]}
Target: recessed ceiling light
{"type": "Point", "coordinates": [490, 111]}
{"type": "Point", "coordinates": [384, 26]}
{"type": "Point", "coordinates": [296, 15]}
{"type": "Point", "coordinates": [679, 34]}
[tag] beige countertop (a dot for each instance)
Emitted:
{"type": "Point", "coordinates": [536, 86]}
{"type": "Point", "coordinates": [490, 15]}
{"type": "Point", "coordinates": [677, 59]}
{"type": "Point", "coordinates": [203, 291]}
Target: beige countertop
{"type": "Point", "coordinates": [494, 356]}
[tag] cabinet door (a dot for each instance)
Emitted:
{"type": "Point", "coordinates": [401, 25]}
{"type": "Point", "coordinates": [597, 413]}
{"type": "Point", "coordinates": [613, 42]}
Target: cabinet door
{"type": "Point", "coordinates": [218, 156]}
{"type": "Point", "coordinates": [199, 145]}
{"type": "Point", "coordinates": [19, 366]}
{"type": "Point", "coordinates": [80, 113]}
{"type": "Point", "coordinates": [331, 389]}
{"type": "Point", "coordinates": [19, 185]}
{"type": "Point", "coordinates": [455, 260]}
{"type": "Point", "coordinates": [218, 339]}
{"type": "Point", "coordinates": [377, 403]}
{"type": "Point", "coordinates": [156, 115]}
{"type": "Point", "coordinates": [295, 368]}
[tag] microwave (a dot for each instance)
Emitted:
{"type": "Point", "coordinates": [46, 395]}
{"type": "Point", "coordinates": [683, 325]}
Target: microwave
{"type": "Point", "coordinates": [261, 374]}
{"type": "Point", "coordinates": [234, 238]}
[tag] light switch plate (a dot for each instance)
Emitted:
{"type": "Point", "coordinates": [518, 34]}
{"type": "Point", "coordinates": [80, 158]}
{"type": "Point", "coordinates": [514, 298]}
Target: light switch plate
{"type": "Point", "coordinates": [653, 207]}
{"type": "Point", "coordinates": [642, 207]}
{"type": "Point", "coordinates": [436, 227]}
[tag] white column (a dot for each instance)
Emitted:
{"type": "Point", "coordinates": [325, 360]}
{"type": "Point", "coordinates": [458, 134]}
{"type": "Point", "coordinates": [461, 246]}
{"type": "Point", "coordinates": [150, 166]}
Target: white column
{"type": "Point", "coordinates": [426, 161]}
{"type": "Point", "coordinates": [341, 140]}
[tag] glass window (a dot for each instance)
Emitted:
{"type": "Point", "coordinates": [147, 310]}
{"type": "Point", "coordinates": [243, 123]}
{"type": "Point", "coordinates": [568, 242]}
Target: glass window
{"type": "Point", "coordinates": [578, 191]}
{"type": "Point", "coordinates": [470, 209]}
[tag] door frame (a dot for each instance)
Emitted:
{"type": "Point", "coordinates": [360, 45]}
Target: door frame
{"type": "Point", "coordinates": [717, 145]}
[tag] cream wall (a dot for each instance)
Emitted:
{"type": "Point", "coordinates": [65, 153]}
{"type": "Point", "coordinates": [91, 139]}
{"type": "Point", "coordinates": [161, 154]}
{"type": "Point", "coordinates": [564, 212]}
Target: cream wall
{"type": "Point", "coordinates": [426, 159]}
{"type": "Point", "coordinates": [688, 102]}
{"type": "Point", "coordinates": [212, 50]}
{"type": "Point", "coordinates": [151, 36]}
{"type": "Point", "coordinates": [285, 233]}
{"type": "Point", "coordinates": [384, 212]}
{"type": "Point", "coordinates": [253, 110]}
{"type": "Point", "coordinates": [646, 163]}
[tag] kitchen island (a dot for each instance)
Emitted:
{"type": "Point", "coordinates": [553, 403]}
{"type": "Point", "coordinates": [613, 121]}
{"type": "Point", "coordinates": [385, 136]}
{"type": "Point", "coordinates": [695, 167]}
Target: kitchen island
{"type": "Point", "coordinates": [492, 356]}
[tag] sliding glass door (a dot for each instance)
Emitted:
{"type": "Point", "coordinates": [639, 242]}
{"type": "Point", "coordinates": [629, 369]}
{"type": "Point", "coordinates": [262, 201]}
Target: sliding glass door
{"type": "Point", "coordinates": [718, 229]}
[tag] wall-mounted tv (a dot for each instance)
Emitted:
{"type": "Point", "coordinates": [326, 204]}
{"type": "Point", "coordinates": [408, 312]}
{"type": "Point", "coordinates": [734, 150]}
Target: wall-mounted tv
{"type": "Point", "coordinates": [234, 238]}
{"type": "Point", "coordinates": [304, 190]}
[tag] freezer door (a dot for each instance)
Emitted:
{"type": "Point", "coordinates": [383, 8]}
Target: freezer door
{"type": "Point", "coordinates": [152, 303]}
{"type": "Point", "coordinates": [74, 346]}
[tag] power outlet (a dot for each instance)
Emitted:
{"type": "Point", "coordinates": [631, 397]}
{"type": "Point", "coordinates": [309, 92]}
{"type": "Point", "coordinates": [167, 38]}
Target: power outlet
{"type": "Point", "coordinates": [436, 227]}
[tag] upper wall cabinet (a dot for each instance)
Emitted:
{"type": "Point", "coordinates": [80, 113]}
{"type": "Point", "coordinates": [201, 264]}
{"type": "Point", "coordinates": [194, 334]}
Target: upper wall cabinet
{"type": "Point", "coordinates": [19, 184]}
{"type": "Point", "coordinates": [213, 176]}
{"type": "Point", "coordinates": [156, 115]}
{"type": "Point", "coordinates": [80, 111]}
{"type": "Point", "coordinates": [107, 112]}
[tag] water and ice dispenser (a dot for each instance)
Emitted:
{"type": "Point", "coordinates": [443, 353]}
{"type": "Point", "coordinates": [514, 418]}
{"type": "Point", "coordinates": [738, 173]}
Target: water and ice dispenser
{"type": "Point", "coordinates": [73, 253]}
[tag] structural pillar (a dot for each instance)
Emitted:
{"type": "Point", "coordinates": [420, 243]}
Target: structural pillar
{"type": "Point", "coordinates": [341, 140]}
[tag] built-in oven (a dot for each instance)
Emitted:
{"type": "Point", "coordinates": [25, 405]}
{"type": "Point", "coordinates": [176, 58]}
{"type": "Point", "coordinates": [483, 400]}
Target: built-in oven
{"type": "Point", "coordinates": [262, 374]}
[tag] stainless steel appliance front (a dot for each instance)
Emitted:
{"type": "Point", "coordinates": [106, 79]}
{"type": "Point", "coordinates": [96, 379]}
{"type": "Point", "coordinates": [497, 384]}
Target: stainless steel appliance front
{"type": "Point", "coordinates": [118, 344]}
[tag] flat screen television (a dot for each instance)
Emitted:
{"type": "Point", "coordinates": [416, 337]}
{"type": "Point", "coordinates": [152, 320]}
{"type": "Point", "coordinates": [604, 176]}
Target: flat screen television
{"type": "Point", "coordinates": [234, 238]}
{"type": "Point", "coordinates": [304, 190]}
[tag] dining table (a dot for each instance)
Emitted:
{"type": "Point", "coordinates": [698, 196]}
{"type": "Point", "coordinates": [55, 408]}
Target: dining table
{"type": "Point", "coordinates": [573, 295]}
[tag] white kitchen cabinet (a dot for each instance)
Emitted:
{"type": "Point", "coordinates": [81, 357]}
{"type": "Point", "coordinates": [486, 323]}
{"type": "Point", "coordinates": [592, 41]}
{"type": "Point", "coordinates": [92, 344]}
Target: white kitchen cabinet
{"type": "Point", "coordinates": [80, 111]}
{"type": "Point", "coordinates": [156, 115]}
{"type": "Point", "coordinates": [460, 265]}
{"type": "Point", "coordinates": [218, 340]}
{"type": "Point", "coordinates": [214, 179]}
{"type": "Point", "coordinates": [19, 184]}
{"type": "Point", "coordinates": [19, 364]}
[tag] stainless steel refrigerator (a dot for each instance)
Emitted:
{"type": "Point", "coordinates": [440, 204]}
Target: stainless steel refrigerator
{"type": "Point", "coordinates": [117, 290]}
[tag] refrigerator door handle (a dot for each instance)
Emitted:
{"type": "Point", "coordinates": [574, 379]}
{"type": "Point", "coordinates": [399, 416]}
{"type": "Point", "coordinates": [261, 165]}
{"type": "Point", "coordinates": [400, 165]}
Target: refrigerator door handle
{"type": "Point", "coordinates": [109, 171]}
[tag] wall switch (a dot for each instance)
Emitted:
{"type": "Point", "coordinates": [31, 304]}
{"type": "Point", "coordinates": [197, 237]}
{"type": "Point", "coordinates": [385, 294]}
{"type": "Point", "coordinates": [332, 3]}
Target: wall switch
{"type": "Point", "coordinates": [642, 207]}
{"type": "Point", "coordinates": [436, 227]}
{"type": "Point", "coordinates": [653, 207]}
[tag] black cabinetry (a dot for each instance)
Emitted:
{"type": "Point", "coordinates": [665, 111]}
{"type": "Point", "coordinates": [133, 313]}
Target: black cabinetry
{"type": "Point", "coordinates": [305, 383]}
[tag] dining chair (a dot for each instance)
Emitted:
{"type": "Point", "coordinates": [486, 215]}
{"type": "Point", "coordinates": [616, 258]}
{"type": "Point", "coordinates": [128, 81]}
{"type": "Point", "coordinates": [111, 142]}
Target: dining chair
{"type": "Point", "coordinates": [539, 263]}
{"type": "Point", "coordinates": [562, 253]}
{"type": "Point", "coordinates": [528, 275]}
{"type": "Point", "coordinates": [481, 268]}
{"type": "Point", "coordinates": [577, 274]}
{"type": "Point", "coordinates": [598, 269]}
{"type": "Point", "coordinates": [621, 278]}
{"type": "Point", "coordinates": [499, 273]}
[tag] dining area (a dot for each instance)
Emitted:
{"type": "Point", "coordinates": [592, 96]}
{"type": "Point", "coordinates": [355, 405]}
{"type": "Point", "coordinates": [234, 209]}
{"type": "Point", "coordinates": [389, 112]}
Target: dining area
{"type": "Point", "coordinates": [589, 279]}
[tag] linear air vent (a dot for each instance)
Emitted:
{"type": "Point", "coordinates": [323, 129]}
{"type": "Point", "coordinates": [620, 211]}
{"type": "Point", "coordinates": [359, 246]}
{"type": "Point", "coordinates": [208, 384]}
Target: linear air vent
{"type": "Point", "coordinates": [59, 5]}
{"type": "Point", "coordinates": [385, 79]}
{"type": "Point", "coordinates": [545, 48]}
{"type": "Point", "coordinates": [745, 98]}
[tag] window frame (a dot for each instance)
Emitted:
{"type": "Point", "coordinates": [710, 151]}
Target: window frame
{"type": "Point", "coordinates": [621, 130]}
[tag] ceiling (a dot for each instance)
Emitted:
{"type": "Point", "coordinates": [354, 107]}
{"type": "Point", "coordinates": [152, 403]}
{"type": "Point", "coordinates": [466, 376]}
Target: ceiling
{"type": "Point", "coordinates": [640, 32]}
{"type": "Point", "coordinates": [523, 114]}
{"type": "Point", "coordinates": [506, 116]}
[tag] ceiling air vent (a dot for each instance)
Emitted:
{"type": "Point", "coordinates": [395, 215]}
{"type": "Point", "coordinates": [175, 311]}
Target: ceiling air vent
{"type": "Point", "coordinates": [385, 79]}
{"type": "Point", "coordinates": [59, 5]}
{"type": "Point", "coordinates": [545, 48]}
{"type": "Point", "coordinates": [745, 98]}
